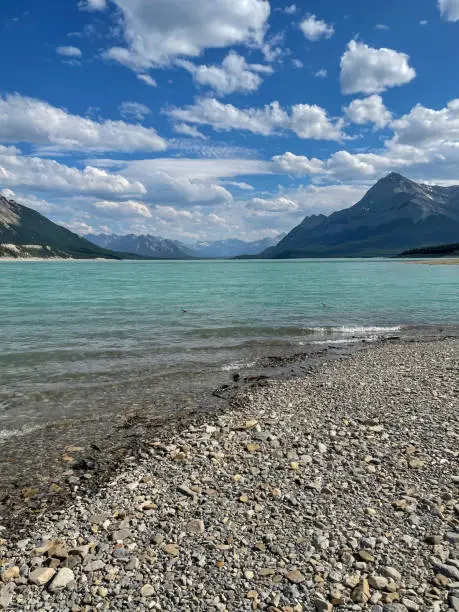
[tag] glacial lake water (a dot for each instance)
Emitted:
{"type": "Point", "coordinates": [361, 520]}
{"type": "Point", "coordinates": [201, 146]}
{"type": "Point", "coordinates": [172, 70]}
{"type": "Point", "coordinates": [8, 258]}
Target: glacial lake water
{"type": "Point", "coordinates": [86, 339]}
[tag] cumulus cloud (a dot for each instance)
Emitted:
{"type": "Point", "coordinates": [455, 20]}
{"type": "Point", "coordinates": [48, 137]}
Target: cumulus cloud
{"type": "Point", "coordinates": [322, 73]}
{"type": "Point", "coordinates": [92, 5]}
{"type": "Point", "coordinates": [314, 29]}
{"type": "Point", "coordinates": [233, 75]}
{"type": "Point", "coordinates": [34, 121]}
{"type": "Point", "coordinates": [368, 70]}
{"type": "Point", "coordinates": [127, 208]}
{"type": "Point", "coordinates": [427, 127]}
{"type": "Point", "coordinates": [69, 51]}
{"type": "Point", "coordinates": [147, 79]}
{"type": "Point", "coordinates": [49, 175]}
{"type": "Point", "coordinates": [277, 205]}
{"type": "Point", "coordinates": [158, 31]}
{"type": "Point", "coordinates": [369, 110]}
{"type": "Point", "coordinates": [297, 165]}
{"type": "Point", "coordinates": [134, 111]}
{"type": "Point", "coordinates": [449, 9]}
{"type": "Point", "coordinates": [306, 121]}
{"type": "Point", "coordinates": [290, 10]}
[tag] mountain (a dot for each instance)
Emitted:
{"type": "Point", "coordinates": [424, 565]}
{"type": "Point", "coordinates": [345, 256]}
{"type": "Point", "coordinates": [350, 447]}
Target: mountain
{"type": "Point", "coordinates": [26, 233]}
{"type": "Point", "coordinates": [144, 245]}
{"type": "Point", "coordinates": [162, 248]}
{"type": "Point", "coordinates": [396, 214]}
{"type": "Point", "coordinates": [232, 247]}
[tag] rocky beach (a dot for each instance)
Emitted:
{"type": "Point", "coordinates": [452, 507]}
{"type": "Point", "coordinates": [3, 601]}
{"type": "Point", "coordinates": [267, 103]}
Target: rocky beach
{"type": "Point", "coordinates": [336, 490]}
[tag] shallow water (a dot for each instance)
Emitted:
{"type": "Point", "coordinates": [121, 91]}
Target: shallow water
{"type": "Point", "coordinates": [81, 340]}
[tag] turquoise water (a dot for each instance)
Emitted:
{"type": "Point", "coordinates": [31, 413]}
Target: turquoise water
{"type": "Point", "coordinates": [80, 338]}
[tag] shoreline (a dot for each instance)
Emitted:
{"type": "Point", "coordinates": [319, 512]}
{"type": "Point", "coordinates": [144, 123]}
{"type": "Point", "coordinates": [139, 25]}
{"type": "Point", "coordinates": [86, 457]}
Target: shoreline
{"type": "Point", "coordinates": [190, 467]}
{"type": "Point", "coordinates": [72, 453]}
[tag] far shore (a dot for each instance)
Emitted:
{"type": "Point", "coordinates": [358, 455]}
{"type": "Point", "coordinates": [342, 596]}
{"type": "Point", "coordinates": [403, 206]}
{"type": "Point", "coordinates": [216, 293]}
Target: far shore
{"type": "Point", "coordinates": [435, 262]}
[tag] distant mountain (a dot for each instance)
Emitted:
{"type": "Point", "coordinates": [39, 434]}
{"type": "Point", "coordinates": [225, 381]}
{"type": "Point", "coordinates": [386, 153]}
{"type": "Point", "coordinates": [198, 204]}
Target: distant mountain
{"type": "Point", "coordinates": [395, 215]}
{"type": "Point", "coordinates": [145, 245]}
{"type": "Point", "coordinates": [163, 248]}
{"type": "Point", "coordinates": [439, 250]}
{"type": "Point", "coordinates": [26, 233]}
{"type": "Point", "coordinates": [233, 247]}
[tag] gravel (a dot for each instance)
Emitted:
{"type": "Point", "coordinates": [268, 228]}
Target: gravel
{"type": "Point", "coordinates": [338, 490]}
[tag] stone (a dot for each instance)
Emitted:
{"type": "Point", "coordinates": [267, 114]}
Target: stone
{"type": "Point", "coordinates": [185, 490]}
{"type": "Point", "coordinates": [416, 464]}
{"type": "Point", "coordinates": [361, 593]}
{"type": "Point", "coordinates": [6, 595]}
{"type": "Point", "coordinates": [102, 592]}
{"type": "Point", "coordinates": [322, 606]}
{"type": "Point", "coordinates": [121, 535]}
{"type": "Point", "coordinates": [195, 526]}
{"type": "Point", "coordinates": [410, 605]}
{"type": "Point", "coordinates": [72, 561]}
{"type": "Point", "coordinates": [62, 579]}
{"type": "Point", "coordinates": [378, 582]}
{"type": "Point", "coordinates": [147, 590]}
{"type": "Point", "coordinates": [450, 571]}
{"type": "Point", "coordinates": [99, 519]}
{"type": "Point", "coordinates": [252, 448]}
{"type": "Point", "coordinates": [11, 573]}
{"type": "Point", "coordinates": [391, 572]}
{"type": "Point", "coordinates": [433, 540]}
{"type": "Point", "coordinates": [41, 575]}
{"type": "Point", "coordinates": [454, 602]}
{"type": "Point", "coordinates": [295, 576]}
{"type": "Point", "coordinates": [249, 574]}
{"type": "Point", "coordinates": [172, 550]}
{"type": "Point", "coordinates": [94, 566]}
{"type": "Point", "coordinates": [366, 556]}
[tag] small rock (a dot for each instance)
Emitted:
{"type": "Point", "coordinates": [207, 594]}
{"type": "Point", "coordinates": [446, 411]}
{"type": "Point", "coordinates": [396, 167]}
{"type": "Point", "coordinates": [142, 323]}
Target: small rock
{"type": "Point", "coordinates": [94, 566]}
{"type": "Point", "coordinates": [11, 573]}
{"type": "Point", "coordinates": [63, 578]}
{"type": "Point", "coordinates": [41, 575]}
{"type": "Point", "coordinates": [366, 556]}
{"type": "Point", "coordinates": [185, 490]}
{"type": "Point", "coordinates": [361, 593]}
{"type": "Point", "coordinates": [416, 464]}
{"type": "Point", "coordinates": [322, 605]}
{"type": "Point", "coordinates": [195, 526]}
{"type": "Point", "coordinates": [378, 582]}
{"type": "Point", "coordinates": [6, 595]}
{"type": "Point", "coordinates": [147, 590]}
{"type": "Point", "coordinates": [412, 606]}
{"type": "Point", "coordinates": [295, 576]}
{"type": "Point", "coordinates": [391, 572]}
{"type": "Point", "coordinates": [172, 550]}
{"type": "Point", "coordinates": [433, 540]}
{"type": "Point", "coordinates": [450, 571]}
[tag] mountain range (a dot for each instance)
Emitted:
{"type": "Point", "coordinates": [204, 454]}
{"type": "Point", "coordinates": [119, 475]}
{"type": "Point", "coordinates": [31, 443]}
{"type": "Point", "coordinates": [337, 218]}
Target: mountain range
{"type": "Point", "coordinates": [396, 214]}
{"type": "Point", "coordinates": [156, 247]}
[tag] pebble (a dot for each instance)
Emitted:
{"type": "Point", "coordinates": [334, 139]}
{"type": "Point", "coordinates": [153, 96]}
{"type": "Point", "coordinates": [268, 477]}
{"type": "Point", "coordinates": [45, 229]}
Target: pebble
{"type": "Point", "coordinates": [62, 579]}
{"type": "Point", "coordinates": [41, 575]}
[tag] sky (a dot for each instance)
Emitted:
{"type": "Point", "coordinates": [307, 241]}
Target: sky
{"type": "Point", "coordinates": [221, 119]}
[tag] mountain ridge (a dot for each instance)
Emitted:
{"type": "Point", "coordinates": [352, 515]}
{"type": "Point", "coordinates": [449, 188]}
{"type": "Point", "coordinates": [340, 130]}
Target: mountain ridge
{"type": "Point", "coordinates": [396, 214]}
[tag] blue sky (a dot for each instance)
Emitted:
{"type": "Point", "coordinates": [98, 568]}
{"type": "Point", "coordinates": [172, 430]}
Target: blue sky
{"type": "Point", "coordinates": [223, 118]}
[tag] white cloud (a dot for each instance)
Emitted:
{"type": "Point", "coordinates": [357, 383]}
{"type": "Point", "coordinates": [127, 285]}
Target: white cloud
{"type": "Point", "coordinates": [158, 31]}
{"type": "Point", "coordinates": [92, 5]}
{"type": "Point", "coordinates": [189, 130]}
{"type": "Point", "coordinates": [306, 121]}
{"type": "Point", "coordinates": [36, 122]}
{"type": "Point", "coordinates": [449, 9]}
{"type": "Point", "coordinates": [297, 165]}
{"type": "Point", "coordinates": [423, 22]}
{"type": "Point", "coordinates": [69, 51]}
{"type": "Point", "coordinates": [297, 63]}
{"type": "Point", "coordinates": [49, 175]}
{"type": "Point", "coordinates": [382, 26]}
{"type": "Point", "coordinates": [234, 75]}
{"type": "Point", "coordinates": [427, 127]}
{"type": "Point", "coordinates": [369, 110]}
{"type": "Point", "coordinates": [128, 208]}
{"type": "Point", "coordinates": [43, 206]}
{"type": "Point", "coordinates": [147, 79]}
{"type": "Point", "coordinates": [322, 73]}
{"type": "Point", "coordinates": [290, 10]}
{"type": "Point", "coordinates": [314, 29]}
{"type": "Point", "coordinates": [134, 111]}
{"type": "Point", "coordinates": [278, 205]}
{"type": "Point", "coordinates": [368, 70]}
